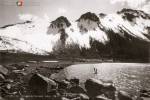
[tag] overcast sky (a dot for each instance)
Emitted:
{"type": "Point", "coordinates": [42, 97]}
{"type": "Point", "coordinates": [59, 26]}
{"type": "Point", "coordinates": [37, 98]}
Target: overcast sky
{"type": "Point", "coordinates": [72, 9]}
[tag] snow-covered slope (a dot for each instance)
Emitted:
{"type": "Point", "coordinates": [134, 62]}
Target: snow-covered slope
{"type": "Point", "coordinates": [12, 45]}
{"type": "Point", "coordinates": [133, 22]}
{"type": "Point", "coordinates": [98, 27]}
{"type": "Point", "coordinates": [33, 30]}
{"type": "Point", "coordinates": [44, 34]}
{"type": "Point", "coordinates": [83, 39]}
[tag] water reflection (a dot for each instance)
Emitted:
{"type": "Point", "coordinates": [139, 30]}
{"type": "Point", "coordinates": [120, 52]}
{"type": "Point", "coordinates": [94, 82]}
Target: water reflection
{"type": "Point", "coordinates": [130, 77]}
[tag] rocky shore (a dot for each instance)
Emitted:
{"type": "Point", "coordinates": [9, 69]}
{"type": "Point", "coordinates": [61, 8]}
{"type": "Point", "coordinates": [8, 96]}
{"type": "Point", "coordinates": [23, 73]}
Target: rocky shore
{"type": "Point", "coordinates": [19, 82]}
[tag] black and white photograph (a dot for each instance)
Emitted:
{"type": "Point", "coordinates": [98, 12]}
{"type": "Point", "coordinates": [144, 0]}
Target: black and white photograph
{"type": "Point", "coordinates": [74, 49]}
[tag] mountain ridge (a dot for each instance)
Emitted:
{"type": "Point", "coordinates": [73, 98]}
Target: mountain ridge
{"type": "Point", "coordinates": [94, 32]}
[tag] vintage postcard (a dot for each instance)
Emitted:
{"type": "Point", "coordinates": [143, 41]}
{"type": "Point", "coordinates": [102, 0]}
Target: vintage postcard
{"type": "Point", "coordinates": [74, 49]}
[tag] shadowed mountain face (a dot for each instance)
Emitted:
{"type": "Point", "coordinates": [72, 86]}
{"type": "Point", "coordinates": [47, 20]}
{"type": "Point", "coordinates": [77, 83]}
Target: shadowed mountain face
{"type": "Point", "coordinates": [89, 16]}
{"type": "Point", "coordinates": [124, 35]}
{"type": "Point", "coordinates": [57, 25]}
{"type": "Point", "coordinates": [128, 36]}
{"type": "Point", "coordinates": [88, 21]}
{"type": "Point", "coordinates": [130, 14]}
{"type": "Point", "coordinates": [61, 20]}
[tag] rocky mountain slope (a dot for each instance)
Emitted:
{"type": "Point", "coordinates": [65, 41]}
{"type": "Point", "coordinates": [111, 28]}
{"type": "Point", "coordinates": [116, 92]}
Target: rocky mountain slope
{"type": "Point", "coordinates": [121, 35]}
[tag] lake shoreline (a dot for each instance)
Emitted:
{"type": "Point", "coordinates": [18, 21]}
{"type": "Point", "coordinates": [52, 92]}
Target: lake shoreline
{"type": "Point", "coordinates": [28, 69]}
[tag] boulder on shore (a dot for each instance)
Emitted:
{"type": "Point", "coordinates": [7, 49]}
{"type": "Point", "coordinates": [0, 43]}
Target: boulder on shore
{"type": "Point", "coordinates": [93, 87]}
{"type": "Point", "coordinates": [122, 95]}
{"type": "Point", "coordinates": [3, 70]}
{"type": "Point", "coordinates": [145, 93]}
{"type": "Point", "coordinates": [76, 89]}
{"type": "Point", "coordinates": [109, 91]}
{"type": "Point", "coordinates": [40, 84]}
{"type": "Point", "coordinates": [2, 78]}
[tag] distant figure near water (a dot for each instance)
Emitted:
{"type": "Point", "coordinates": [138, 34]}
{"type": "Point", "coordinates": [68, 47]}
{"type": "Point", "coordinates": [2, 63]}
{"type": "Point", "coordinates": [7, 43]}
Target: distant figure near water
{"type": "Point", "coordinates": [95, 70]}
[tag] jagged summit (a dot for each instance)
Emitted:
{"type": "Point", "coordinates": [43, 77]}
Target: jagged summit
{"type": "Point", "coordinates": [60, 21]}
{"type": "Point", "coordinates": [129, 14]}
{"type": "Point", "coordinates": [88, 22]}
{"type": "Point", "coordinates": [89, 16]}
{"type": "Point", "coordinates": [59, 24]}
{"type": "Point", "coordinates": [127, 23]}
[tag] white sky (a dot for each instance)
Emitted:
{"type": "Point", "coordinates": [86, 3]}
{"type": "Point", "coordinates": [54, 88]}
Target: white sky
{"type": "Point", "coordinates": [72, 9]}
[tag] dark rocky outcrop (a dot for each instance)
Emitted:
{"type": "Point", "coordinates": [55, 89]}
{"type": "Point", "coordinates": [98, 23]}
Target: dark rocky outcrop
{"type": "Point", "coordinates": [75, 87]}
{"type": "Point", "coordinates": [109, 91]}
{"type": "Point", "coordinates": [96, 88]}
{"type": "Point", "coordinates": [60, 21]}
{"type": "Point", "coordinates": [88, 21]}
{"type": "Point", "coordinates": [2, 78]}
{"type": "Point", "coordinates": [122, 95]}
{"type": "Point", "coordinates": [40, 84]}
{"type": "Point", "coordinates": [93, 87]}
{"type": "Point", "coordinates": [129, 14]}
{"type": "Point", "coordinates": [144, 94]}
{"type": "Point", "coordinates": [89, 16]}
{"type": "Point", "coordinates": [3, 70]}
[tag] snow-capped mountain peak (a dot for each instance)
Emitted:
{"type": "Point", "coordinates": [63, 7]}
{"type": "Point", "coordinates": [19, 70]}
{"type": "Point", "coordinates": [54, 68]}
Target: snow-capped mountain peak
{"type": "Point", "coordinates": [45, 35]}
{"type": "Point", "coordinates": [120, 25]}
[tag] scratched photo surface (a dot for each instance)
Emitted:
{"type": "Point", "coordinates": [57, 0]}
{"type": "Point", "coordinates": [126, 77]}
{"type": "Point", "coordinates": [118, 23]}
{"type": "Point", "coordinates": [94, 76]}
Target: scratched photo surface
{"type": "Point", "coordinates": [74, 49]}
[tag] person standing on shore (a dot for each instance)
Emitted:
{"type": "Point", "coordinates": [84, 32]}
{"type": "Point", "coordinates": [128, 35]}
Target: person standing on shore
{"type": "Point", "coordinates": [95, 70]}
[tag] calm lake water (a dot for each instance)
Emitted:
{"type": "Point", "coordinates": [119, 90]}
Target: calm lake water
{"type": "Point", "coordinates": [129, 77]}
